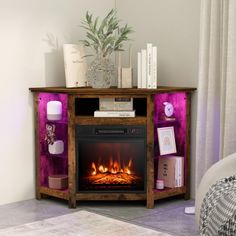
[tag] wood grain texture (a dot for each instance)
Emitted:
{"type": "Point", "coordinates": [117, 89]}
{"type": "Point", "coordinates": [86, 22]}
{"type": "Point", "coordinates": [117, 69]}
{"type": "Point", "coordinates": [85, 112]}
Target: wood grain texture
{"type": "Point", "coordinates": [71, 152]}
{"type": "Point", "coordinates": [90, 120]}
{"type": "Point", "coordinates": [37, 147]}
{"type": "Point", "coordinates": [187, 151]}
{"type": "Point", "coordinates": [111, 196]}
{"type": "Point", "coordinates": [111, 91]}
{"type": "Point", "coordinates": [54, 192]}
{"type": "Point", "coordinates": [150, 152]}
{"type": "Point", "coordinates": [160, 194]}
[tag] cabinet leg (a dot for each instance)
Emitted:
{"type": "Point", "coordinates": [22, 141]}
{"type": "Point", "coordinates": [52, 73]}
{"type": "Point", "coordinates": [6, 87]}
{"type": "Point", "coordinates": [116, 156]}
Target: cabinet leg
{"type": "Point", "coordinates": [187, 196]}
{"type": "Point", "coordinates": [150, 204]}
{"type": "Point", "coordinates": [39, 196]}
{"type": "Point", "coordinates": [72, 202]}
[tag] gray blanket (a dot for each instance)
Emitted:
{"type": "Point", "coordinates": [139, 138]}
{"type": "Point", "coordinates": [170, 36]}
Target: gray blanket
{"type": "Point", "coordinates": [218, 210]}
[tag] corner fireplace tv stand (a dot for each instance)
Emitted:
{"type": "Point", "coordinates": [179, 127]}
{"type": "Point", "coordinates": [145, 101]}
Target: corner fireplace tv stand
{"type": "Point", "coordinates": [109, 158]}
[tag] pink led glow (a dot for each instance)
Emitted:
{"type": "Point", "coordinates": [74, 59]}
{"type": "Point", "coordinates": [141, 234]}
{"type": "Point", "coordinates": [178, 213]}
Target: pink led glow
{"type": "Point", "coordinates": [179, 101]}
{"type": "Point", "coordinates": [52, 164]}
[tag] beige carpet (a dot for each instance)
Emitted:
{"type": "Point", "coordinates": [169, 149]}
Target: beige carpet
{"type": "Point", "coordinates": [81, 223]}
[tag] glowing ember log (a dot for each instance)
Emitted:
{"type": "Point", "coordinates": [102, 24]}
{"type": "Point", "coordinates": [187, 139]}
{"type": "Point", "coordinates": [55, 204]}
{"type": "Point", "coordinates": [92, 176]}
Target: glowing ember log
{"type": "Point", "coordinates": [108, 178]}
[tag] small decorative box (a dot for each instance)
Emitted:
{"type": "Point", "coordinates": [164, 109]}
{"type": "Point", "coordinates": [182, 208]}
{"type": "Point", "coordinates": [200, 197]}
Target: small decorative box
{"type": "Point", "coordinates": [58, 181]}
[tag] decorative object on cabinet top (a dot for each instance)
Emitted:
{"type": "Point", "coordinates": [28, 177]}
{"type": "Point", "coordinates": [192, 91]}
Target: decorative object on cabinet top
{"type": "Point", "coordinates": [75, 65]}
{"type": "Point", "coordinates": [103, 38]}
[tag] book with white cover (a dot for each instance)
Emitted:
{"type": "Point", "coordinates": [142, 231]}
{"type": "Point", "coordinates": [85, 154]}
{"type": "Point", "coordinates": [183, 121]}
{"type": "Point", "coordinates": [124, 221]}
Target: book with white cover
{"type": "Point", "coordinates": [139, 82]}
{"type": "Point", "coordinates": [149, 66]}
{"type": "Point", "coordinates": [154, 67]}
{"type": "Point", "coordinates": [116, 104]}
{"type": "Point", "coordinates": [75, 65]}
{"type": "Point", "coordinates": [179, 172]}
{"type": "Point", "coordinates": [177, 164]}
{"type": "Point", "coordinates": [114, 113]}
{"type": "Point", "coordinates": [171, 170]}
{"type": "Point", "coordinates": [144, 67]}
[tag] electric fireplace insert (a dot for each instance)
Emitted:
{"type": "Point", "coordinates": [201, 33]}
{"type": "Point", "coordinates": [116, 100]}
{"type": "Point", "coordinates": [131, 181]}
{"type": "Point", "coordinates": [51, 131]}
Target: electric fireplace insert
{"type": "Point", "coordinates": [111, 158]}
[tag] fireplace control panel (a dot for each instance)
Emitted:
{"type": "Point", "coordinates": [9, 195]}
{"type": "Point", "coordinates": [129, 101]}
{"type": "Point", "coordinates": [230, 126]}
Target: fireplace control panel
{"type": "Point", "coordinates": [122, 131]}
{"type": "Point", "coordinates": [101, 130]}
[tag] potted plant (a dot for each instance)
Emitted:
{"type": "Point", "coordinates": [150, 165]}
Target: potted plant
{"type": "Point", "coordinates": [103, 38]}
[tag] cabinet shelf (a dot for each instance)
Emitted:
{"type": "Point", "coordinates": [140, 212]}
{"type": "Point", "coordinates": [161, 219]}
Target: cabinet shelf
{"type": "Point", "coordinates": [63, 155]}
{"type": "Point", "coordinates": [111, 196]}
{"type": "Point", "coordinates": [168, 192]}
{"type": "Point", "coordinates": [63, 122]}
{"type": "Point", "coordinates": [63, 194]}
{"type": "Point", "coordinates": [166, 122]}
{"type": "Point", "coordinates": [86, 120]}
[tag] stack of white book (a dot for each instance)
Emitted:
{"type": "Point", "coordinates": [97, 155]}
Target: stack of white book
{"type": "Point", "coordinates": [147, 67]}
{"type": "Point", "coordinates": [115, 107]}
{"type": "Point", "coordinates": [171, 170]}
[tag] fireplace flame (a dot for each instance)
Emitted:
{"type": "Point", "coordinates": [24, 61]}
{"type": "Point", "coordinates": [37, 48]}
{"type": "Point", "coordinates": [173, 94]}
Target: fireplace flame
{"type": "Point", "coordinates": [114, 167]}
{"type": "Point", "coordinates": [102, 169]}
{"type": "Point", "coordinates": [94, 170]}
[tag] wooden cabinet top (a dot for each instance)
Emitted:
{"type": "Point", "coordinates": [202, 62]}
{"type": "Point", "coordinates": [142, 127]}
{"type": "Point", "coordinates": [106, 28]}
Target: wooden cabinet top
{"type": "Point", "coordinates": [112, 90]}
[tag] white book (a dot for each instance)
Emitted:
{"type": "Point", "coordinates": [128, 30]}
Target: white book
{"type": "Point", "coordinates": [144, 67]}
{"type": "Point", "coordinates": [177, 172]}
{"type": "Point", "coordinates": [139, 82]}
{"type": "Point", "coordinates": [181, 172]}
{"type": "Point", "coordinates": [149, 66]}
{"type": "Point", "coordinates": [114, 113]}
{"type": "Point", "coordinates": [154, 67]}
{"type": "Point", "coordinates": [75, 65]}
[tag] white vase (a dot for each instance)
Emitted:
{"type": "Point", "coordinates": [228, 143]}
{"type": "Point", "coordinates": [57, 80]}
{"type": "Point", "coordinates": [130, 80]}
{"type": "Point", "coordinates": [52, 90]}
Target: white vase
{"type": "Point", "coordinates": [100, 72]}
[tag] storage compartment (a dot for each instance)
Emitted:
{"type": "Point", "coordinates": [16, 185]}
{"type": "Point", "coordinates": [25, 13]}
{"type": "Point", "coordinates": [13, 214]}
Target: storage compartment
{"type": "Point", "coordinates": [87, 106]}
{"type": "Point", "coordinates": [58, 181]}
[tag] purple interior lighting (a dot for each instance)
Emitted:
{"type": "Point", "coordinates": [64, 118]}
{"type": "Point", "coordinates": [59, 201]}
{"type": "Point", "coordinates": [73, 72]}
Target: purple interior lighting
{"type": "Point", "coordinates": [58, 164]}
{"type": "Point", "coordinates": [180, 109]}
{"type": "Point", "coordinates": [52, 164]}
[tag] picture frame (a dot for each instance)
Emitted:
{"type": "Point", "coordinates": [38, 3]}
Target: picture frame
{"type": "Point", "coordinates": [166, 139]}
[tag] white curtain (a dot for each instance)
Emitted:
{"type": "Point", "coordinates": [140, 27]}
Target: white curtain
{"type": "Point", "coordinates": [216, 119]}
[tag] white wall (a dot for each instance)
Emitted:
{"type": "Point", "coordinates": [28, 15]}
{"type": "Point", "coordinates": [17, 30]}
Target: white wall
{"type": "Point", "coordinates": [32, 33]}
{"type": "Point", "coordinates": [173, 26]}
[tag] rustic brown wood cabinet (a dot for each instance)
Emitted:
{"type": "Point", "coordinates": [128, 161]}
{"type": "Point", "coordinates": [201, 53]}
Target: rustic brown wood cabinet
{"type": "Point", "coordinates": [78, 105]}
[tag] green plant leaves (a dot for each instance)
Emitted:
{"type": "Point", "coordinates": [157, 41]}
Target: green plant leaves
{"type": "Point", "coordinates": [105, 36]}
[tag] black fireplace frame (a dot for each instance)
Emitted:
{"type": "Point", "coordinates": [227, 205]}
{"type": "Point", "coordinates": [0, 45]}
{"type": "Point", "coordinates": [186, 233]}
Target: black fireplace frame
{"type": "Point", "coordinates": [118, 133]}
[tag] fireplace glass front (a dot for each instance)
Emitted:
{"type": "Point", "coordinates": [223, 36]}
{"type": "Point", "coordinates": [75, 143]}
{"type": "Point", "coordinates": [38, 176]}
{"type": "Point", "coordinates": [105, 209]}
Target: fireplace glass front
{"type": "Point", "coordinates": [111, 158]}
